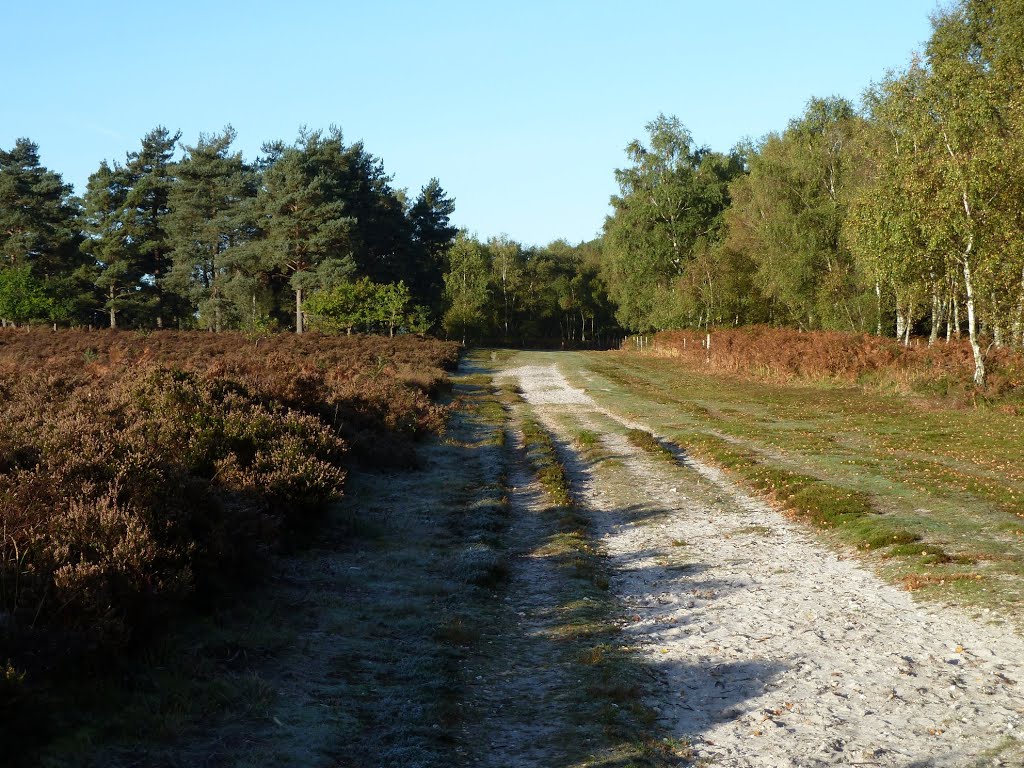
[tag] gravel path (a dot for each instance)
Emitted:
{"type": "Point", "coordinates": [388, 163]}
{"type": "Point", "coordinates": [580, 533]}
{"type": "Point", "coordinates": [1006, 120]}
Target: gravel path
{"type": "Point", "coordinates": [770, 649]}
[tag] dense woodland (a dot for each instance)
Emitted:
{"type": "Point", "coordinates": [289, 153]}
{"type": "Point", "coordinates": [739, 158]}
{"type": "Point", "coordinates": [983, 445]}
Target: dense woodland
{"type": "Point", "coordinates": [903, 217]}
{"type": "Point", "coordinates": [899, 216]}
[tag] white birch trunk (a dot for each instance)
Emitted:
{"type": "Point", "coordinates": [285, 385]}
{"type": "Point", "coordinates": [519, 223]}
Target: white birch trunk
{"type": "Point", "coordinates": [878, 307]}
{"type": "Point", "coordinates": [972, 324]}
{"type": "Point", "coordinates": [1018, 318]}
{"type": "Point", "coordinates": [997, 325]}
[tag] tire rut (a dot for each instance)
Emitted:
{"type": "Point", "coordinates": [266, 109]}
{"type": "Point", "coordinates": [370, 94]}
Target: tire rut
{"type": "Point", "coordinates": [519, 696]}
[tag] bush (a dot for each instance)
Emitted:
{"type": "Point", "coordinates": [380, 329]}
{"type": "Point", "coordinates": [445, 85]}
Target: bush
{"type": "Point", "coordinates": [783, 355]}
{"type": "Point", "coordinates": [138, 473]}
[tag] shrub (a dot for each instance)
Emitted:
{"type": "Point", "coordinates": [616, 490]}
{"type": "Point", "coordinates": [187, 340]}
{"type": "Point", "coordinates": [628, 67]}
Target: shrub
{"type": "Point", "coordinates": [139, 473]}
{"type": "Point", "coordinates": [782, 355]}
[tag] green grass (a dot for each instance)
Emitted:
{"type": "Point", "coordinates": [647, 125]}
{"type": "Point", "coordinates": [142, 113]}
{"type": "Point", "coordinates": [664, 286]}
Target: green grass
{"type": "Point", "coordinates": [934, 494]}
{"type": "Point", "coordinates": [648, 442]}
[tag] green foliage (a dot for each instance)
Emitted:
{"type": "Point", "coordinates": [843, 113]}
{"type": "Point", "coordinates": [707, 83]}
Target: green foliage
{"type": "Point", "coordinates": [38, 215]}
{"type": "Point", "coordinates": [503, 291]}
{"type": "Point", "coordinates": [465, 288]}
{"type": "Point", "coordinates": [433, 235]}
{"type": "Point", "coordinates": [787, 217]}
{"type": "Point", "coordinates": [212, 228]}
{"type": "Point", "coordinates": [126, 210]}
{"type": "Point", "coordinates": [39, 237]}
{"type": "Point", "coordinates": [367, 306]}
{"type": "Point", "coordinates": [668, 210]}
{"type": "Point", "coordinates": [23, 298]}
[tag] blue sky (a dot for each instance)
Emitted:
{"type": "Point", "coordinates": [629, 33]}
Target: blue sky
{"type": "Point", "coordinates": [522, 110]}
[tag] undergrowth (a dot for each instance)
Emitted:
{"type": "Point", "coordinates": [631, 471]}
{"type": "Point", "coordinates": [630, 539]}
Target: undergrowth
{"type": "Point", "coordinates": [144, 475]}
{"type": "Point", "coordinates": [785, 355]}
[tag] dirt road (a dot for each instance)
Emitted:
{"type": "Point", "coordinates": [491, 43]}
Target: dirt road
{"type": "Point", "coordinates": [768, 648]}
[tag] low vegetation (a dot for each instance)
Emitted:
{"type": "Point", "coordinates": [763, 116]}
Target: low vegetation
{"type": "Point", "coordinates": [781, 355]}
{"type": "Point", "coordinates": [144, 474]}
{"type": "Point", "coordinates": [613, 684]}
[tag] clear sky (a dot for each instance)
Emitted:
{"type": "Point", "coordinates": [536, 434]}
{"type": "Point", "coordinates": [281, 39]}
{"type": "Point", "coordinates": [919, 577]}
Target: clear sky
{"type": "Point", "coordinates": [521, 109]}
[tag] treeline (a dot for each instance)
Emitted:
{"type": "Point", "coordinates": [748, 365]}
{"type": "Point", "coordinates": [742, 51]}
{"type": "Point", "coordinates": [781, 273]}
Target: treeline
{"type": "Point", "coordinates": [310, 234]}
{"type": "Point", "coordinates": [210, 240]}
{"type": "Point", "coordinates": [903, 217]}
{"type": "Point", "coordinates": [503, 292]}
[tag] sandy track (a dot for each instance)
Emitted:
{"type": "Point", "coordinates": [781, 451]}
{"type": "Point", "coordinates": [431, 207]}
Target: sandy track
{"type": "Point", "coordinates": [520, 718]}
{"type": "Point", "coordinates": [769, 649]}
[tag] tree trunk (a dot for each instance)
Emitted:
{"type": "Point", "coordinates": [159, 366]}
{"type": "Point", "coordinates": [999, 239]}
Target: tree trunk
{"type": "Point", "coordinates": [936, 314]}
{"type": "Point", "coordinates": [878, 307]}
{"type": "Point", "coordinates": [298, 310]}
{"type": "Point", "coordinates": [997, 324]}
{"type": "Point", "coordinates": [113, 308]}
{"type": "Point", "coordinates": [972, 325]}
{"type": "Point", "coordinates": [1018, 319]}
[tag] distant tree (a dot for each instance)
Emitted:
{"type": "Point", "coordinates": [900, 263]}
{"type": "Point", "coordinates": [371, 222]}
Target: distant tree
{"type": "Point", "coordinates": [671, 201]}
{"type": "Point", "coordinates": [393, 302]}
{"type": "Point", "coordinates": [380, 237]}
{"type": "Point", "coordinates": [466, 288]}
{"type": "Point", "coordinates": [39, 236]}
{"type": "Point", "coordinates": [126, 210]}
{"type": "Point", "coordinates": [119, 268]}
{"type": "Point", "coordinates": [304, 212]}
{"type": "Point", "coordinates": [433, 235]}
{"type": "Point", "coordinates": [344, 306]}
{"type": "Point", "coordinates": [507, 265]}
{"type": "Point", "coordinates": [790, 210]}
{"type": "Point", "coordinates": [23, 298]}
{"type": "Point", "coordinates": [150, 178]}
{"type": "Point", "coordinates": [362, 303]}
{"type": "Point", "coordinates": [210, 226]}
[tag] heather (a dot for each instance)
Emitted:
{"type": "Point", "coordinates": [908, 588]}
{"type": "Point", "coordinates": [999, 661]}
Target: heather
{"type": "Point", "coordinates": [141, 474]}
{"type": "Point", "coordinates": [785, 355]}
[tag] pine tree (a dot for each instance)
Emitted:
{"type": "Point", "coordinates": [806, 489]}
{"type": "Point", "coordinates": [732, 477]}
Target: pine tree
{"type": "Point", "coordinates": [39, 234]}
{"type": "Point", "coordinates": [208, 230]}
{"type": "Point", "coordinates": [303, 212]}
{"type": "Point", "coordinates": [150, 180]}
{"type": "Point", "coordinates": [433, 236]}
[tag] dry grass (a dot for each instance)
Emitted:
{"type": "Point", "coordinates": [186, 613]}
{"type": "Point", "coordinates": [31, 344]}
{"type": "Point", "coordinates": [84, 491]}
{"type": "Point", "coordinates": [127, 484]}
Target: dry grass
{"type": "Point", "coordinates": [783, 355]}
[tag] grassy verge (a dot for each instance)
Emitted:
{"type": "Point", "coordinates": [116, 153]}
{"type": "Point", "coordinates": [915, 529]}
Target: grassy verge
{"type": "Point", "coordinates": [933, 496]}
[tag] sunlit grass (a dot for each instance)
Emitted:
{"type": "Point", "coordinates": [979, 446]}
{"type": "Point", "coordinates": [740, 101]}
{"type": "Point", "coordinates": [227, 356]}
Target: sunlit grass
{"type": "Point", "coordinates": [932, 490]}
